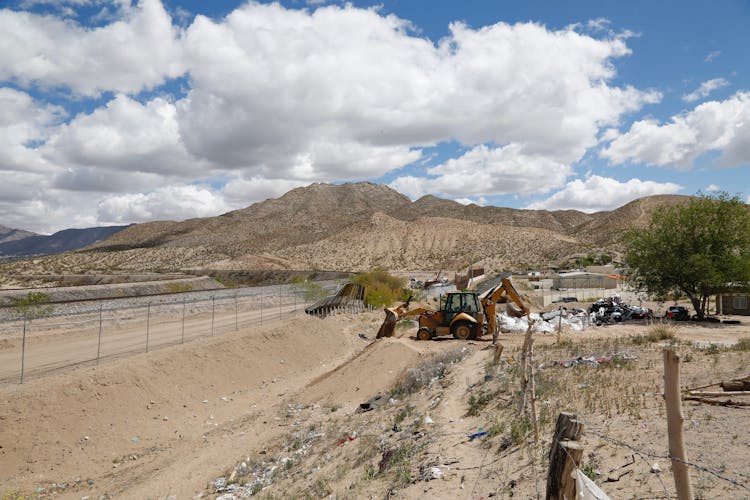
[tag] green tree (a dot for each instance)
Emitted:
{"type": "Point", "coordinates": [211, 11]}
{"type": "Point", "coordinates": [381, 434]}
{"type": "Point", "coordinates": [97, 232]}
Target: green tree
{"type": "Point", "coordinates": [698, 248]}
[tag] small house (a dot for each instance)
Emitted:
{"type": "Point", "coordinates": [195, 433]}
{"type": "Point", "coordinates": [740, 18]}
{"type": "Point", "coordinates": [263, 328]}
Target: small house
{"type": "Point", "coordinates": [734, 303]}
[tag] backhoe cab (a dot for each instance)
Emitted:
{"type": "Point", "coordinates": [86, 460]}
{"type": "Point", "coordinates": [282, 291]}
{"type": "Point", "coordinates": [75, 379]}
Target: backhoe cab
{"type": "Point", "coordinates": [465, 315]}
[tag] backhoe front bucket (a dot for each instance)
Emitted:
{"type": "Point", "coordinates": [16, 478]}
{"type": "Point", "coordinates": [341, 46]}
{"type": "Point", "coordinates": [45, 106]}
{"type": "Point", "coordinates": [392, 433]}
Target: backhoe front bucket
{"type": "Point", "coordinates": [389, 325]}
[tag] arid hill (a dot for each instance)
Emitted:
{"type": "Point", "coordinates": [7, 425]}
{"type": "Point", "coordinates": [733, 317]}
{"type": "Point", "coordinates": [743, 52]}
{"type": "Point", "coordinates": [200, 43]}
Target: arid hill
{"type": "Point", "coordinates": [9, 234]}
{"type": "Point", "coordinates": [354, 227]}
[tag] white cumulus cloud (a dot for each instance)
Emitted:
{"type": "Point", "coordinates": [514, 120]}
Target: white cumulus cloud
{"type": "Point", "coordinates": [24, 123]}
{"type": "Point", "coordinates": [705, 89]}
{"type": "Point", "coordinates": [355, 94]}
{"type": "Point", "coordinates": [598, 193]}
{"type": "Point", "coordinates": [140, 50]}
{"type": "Point", "coordinates": [488, 171]}
{"type": "Point", "coordinates": [171, 202]}
{"type": "Point", "coordinates": [722, 126]}
{"type": "Point", "coordinates": [276, 97]}
{"type": "Point", "coordinates": [125, 136]}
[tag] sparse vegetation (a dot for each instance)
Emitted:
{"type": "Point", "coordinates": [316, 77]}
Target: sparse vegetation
{"type": "Point", "coordinates": [656, 333]}
{"type": "Point", "coordinates": [311, 290]}
{"type": "Point", "coordinates": [414, 379]}
{"type": "Point", "coordinates": [477, 402]}
{"type": "Point", "coordinates": [34, 305]}
{"type": "Point", "coordinates": [178, 287]}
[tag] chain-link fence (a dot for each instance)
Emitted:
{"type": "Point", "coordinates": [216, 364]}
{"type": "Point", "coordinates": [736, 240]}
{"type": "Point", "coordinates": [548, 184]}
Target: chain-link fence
{"type": "Point", "coordinates": [62, 335]}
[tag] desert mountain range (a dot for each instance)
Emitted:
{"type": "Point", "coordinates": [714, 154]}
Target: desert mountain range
{"type": "Point", "coordinates": [357, 226]}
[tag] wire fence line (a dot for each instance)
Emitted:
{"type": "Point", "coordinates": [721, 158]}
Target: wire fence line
{"type": "Point", "coordinates": [92, 331]}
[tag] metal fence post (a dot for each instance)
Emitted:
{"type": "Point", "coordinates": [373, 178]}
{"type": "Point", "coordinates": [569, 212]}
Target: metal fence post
{"type": "Point", "coordinates": [99, 342]}
{"type": "Point", "coordinates": [182, 335]}
{"type": "Point", "coordinates": [213, 304]}
{"type": "Point", "coordinates": [23, 347]}
{"type": "Point", "coordinates": [148, 322]}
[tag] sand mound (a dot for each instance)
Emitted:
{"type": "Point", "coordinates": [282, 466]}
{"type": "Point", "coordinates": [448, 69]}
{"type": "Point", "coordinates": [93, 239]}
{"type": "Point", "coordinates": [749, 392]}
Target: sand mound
{"type": "Point", "coordinates": [113, 422]}
{"type": "Point", "coordinates": [367, 373]}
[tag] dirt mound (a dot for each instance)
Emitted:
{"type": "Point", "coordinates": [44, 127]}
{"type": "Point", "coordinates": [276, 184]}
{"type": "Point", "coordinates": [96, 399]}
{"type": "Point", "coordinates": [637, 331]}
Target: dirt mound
{"type": "Point", "coordinates": [166, 412]}
{"type": "Point", "coordinates": [369, 372]}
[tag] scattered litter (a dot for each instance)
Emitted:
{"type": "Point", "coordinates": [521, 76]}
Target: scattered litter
{"type": "Point", "coordinates": [345, 439]}
{"type": "Point", "coordinates": [480, 432]}
{"type": "Point", "coordinates": [615, 359]}
{"type": "Point", "coordinates": [371, 403]}
{"type": "Point", "coordinates": [435, 473]}
{"type": "Point", "coordinates": [586, 488]}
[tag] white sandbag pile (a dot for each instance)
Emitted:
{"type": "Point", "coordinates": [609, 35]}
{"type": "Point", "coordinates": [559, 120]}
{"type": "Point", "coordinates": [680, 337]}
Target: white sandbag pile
{"type": "Point", "coordinates": [547, 323]}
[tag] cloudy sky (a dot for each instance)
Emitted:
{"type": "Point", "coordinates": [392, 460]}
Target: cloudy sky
{"type": "Point", "coordinates": [114, 111]}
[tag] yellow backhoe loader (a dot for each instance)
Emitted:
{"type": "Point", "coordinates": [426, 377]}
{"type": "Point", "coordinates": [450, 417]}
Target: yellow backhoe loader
{"type": "Point", "coordinates": [465, 315]}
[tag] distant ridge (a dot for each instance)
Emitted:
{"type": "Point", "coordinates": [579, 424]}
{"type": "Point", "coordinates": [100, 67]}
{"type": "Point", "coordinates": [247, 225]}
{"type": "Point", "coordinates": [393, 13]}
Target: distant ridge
{"type": "Point", "coordinates": [8, 234]}
{"type": "Point", "coordinates": [59, 242]}
{"type": "Point", "coordinates": [358, 226]}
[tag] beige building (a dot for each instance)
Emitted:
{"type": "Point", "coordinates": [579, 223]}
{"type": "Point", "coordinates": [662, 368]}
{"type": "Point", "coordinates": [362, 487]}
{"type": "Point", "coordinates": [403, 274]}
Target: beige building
{"type": "Point", "coordinates": [583, 279]}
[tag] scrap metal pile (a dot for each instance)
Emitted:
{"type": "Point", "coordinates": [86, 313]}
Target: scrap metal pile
{"type": "Point", "coordinates": [613, 310]}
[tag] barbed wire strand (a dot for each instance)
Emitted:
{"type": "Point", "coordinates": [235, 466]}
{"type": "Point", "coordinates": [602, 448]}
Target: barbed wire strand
{"type": "Point", "coordinates": [646, 453]}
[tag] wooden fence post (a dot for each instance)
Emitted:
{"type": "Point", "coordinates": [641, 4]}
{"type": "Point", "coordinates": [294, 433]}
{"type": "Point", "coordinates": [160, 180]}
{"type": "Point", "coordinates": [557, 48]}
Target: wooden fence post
{"type": "Point", "coordinates": [564, 457]}
{"type": "Point", "coordinates": [673, 401]}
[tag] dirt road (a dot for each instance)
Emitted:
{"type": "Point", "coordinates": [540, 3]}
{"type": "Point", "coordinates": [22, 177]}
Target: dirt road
{"type": "Point", "coordinates": [53, 346]}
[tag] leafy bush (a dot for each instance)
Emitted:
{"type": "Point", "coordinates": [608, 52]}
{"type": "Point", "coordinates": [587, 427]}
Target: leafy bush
{"type": "Point", "coordinates": [381, 288]}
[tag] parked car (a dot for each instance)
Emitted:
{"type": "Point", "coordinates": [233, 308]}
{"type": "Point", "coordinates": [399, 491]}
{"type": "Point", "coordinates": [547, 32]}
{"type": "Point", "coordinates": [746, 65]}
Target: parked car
{"type": "Point", "coordinates": [677, 313]}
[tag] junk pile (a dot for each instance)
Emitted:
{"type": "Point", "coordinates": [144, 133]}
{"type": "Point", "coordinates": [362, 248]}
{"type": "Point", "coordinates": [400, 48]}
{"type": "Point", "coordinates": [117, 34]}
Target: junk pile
{"type": "Point", "coordinates": [613, 310]}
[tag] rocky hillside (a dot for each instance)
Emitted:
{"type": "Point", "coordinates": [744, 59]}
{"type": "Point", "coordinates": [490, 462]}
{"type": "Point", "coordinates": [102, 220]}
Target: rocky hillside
{"type": "Point", "coordinates": [354, 227]}
{"type": "Point", "coordinates": [10, 234]}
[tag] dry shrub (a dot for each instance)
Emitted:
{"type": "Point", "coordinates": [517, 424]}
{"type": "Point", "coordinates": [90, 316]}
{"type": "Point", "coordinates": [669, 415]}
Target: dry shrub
{"type": "Point", "coordinates": [656, 333]}
{"type": "Point", "coordinates": [742, 344]}
{"type": "Point", "coordinates": [424, 375]}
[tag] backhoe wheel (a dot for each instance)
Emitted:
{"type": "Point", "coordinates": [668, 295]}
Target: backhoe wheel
{"type": "Point", "coordinates": [464, 330]}
{"type": "Point", "coordinates": [424, 334]}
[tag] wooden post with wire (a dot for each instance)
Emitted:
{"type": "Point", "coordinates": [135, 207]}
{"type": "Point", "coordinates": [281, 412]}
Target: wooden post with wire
{"type": "Point", "coordinates": [673, 401]}
{"type": "Point", "coordinates": [564, 457]}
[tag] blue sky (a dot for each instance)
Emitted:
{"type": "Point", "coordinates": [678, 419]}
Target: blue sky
{"type": "Point", "coordinates": [114, 111]}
